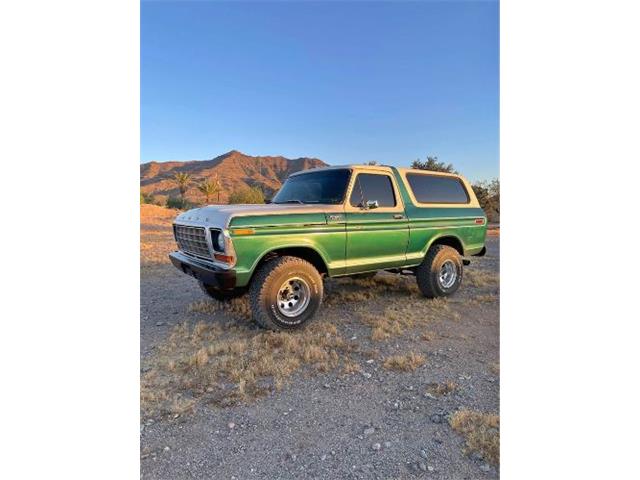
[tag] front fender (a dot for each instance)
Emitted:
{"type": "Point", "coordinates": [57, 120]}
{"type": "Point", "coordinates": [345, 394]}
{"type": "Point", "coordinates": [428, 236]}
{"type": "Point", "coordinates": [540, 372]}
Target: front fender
{"type": "Point", "coordinates": [306, 245]}
{"type": "Point", "coordinates": [329, 244]}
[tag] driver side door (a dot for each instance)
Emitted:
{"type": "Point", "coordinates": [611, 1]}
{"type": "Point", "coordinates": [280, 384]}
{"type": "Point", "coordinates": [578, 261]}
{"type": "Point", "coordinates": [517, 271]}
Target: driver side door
{"type": "Point", "coordinates": [377, 227]}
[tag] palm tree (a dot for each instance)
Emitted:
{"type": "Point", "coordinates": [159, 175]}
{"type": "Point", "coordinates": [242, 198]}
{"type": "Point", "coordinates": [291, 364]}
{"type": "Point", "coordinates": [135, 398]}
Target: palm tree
{"type": "Point", "coordinates": [182, 180]}
{"type": "Point", "coordinates": [218, 185]}
{"type": "Point", "coordinates": [209, 188]}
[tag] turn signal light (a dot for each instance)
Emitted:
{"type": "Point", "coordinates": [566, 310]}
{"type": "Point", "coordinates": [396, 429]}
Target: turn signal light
{"type": "Point", "coordinates": [479, 221]}
{"type": "Point", "coordinates": [223, 258]}
{"type": "Point", "coordinates": [243, 231]}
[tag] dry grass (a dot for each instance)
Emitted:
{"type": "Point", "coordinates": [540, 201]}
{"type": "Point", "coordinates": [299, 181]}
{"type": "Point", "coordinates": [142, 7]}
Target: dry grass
{"type": "Point", "coordinates": [404, 363]}
{"type": "Point", "coordinates": [357, 290]}
{"type": "Point", "coordinates": [486, 298]}
{"type": "Point", "coordinates": [237, 308]}
{"type": "Point", "coordinates": [392, 321]}
{"type": "Point", "coordinates": [349, 367]}
{"type": "Point", "coordinates": [442, 389]}
{"type": "Point", "coordinates": [223, 364]}
{"type": "Point", "coordinates": [156, 234]}
{"type": "Point", "coordinates": [481, 432]}
{"type": "Point", "coordinates": [427, 336]}
{"type": "Point", "coordinates": [405, 308]}
{"type": "Point", "coordinates": [481, 278]}
{"type": "Point", "coordinates": [402, 317]}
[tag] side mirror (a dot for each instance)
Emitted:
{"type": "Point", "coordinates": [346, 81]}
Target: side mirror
{"type": "Point", "coordinates": [371, 204]}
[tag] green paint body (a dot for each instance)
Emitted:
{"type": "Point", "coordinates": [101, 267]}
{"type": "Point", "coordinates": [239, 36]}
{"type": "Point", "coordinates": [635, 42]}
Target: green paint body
{"type": "Point", "coordinates": [358, 242]}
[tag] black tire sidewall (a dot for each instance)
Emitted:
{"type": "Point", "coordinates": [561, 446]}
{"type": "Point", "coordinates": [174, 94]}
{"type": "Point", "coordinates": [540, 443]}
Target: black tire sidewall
{"type": "Point", "coordinates": [268, 302]}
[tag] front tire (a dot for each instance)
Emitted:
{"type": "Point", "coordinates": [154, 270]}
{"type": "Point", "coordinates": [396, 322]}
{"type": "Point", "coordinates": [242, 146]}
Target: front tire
{"type": "Point", "coordinates": [285, 293]}
{"type": "Point", "coordinates": [440, 273]}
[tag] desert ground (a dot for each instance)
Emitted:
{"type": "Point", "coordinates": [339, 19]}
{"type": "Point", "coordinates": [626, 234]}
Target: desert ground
{"type": "Point", "coordinates": [383, 384]}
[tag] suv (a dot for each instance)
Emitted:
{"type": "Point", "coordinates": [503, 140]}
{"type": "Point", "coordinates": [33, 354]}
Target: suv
{"type": "Point", "coordinates": [332, 222]}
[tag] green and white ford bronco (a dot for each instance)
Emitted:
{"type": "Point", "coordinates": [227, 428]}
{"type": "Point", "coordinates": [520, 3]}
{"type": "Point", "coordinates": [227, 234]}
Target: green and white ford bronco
{"type": "Point", "coordinates": [332, 222]}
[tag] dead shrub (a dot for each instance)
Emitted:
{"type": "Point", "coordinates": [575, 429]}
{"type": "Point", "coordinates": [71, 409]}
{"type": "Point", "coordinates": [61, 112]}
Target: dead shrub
{"type": "Point", "coordinates": [156, 235]}
{"type": "Point", "coordinates": [486, 298]}
{"type": "Point", "coordinates": [481, 432]}
{"type": "Point", "coordinates": [222, 365]}
{"type": "Point", "coordinates": [350, 367]}
{"type": "Point", "coordinates": [399, 318]}
{"type": "Point", "coordinates": [479, 278]}
{"type": "Point", "coordinates": [427, 336]}
{"type": "Point", "coordinates": [404, 363]}
{"type": "Point", "coordinates": [237, 308]}
{"type": "Point", "coordinates": [442, 389]}
{"type": "Point", "coordinates": [357, 290]}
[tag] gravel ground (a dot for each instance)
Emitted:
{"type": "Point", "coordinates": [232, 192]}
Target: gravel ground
{"type": "Point", "coordinates": [373, 424]}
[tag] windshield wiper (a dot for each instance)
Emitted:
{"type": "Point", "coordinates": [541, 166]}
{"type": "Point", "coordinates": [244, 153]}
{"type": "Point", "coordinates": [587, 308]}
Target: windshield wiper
{"type": "Point", "coordinates": [291, 201]}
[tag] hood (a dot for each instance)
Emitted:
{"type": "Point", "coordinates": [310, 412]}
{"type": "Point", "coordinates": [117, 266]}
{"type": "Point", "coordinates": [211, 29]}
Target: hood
{"type": "Point", "coordinates": [221, 215]}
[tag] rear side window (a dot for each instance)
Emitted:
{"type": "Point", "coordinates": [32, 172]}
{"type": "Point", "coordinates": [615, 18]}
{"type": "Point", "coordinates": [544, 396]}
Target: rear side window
{"type": "Point", "coordinates": [369, 187]}
{"type": "Point", "coordinates": [436, 189]}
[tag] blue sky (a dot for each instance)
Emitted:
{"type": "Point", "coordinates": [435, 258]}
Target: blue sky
{"type": "Point", "coordinates": [346, 82]}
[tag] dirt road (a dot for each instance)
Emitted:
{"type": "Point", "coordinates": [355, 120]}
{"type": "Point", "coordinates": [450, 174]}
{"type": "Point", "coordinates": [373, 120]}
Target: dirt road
{"type": "Point", "coordinates": [368, 418]}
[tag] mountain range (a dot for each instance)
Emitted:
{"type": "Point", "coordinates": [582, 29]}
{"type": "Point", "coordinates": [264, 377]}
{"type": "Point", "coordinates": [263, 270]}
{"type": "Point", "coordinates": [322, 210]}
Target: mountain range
{"type": "Point", "coordinates": [234, 170]}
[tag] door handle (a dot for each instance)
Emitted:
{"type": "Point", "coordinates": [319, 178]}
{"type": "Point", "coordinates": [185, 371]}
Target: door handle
{"type": "Point", "coordinates": [398, 216]}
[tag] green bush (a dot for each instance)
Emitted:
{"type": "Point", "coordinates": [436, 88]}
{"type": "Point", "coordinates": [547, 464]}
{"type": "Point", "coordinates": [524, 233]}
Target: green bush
{"type": "Point", "coordinates": [147, 198]}
{"type": "Point", "coordinates": [434, 165]}
{"type": "Point", "coordinates": [488, 194]}
{"type": "Point", "coordinates": [247, 195]}
{"type": "Point", "coordinates": [179, 203]}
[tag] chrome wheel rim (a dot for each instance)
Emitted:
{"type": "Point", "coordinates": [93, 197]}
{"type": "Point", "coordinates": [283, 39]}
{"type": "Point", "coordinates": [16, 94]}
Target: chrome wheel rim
{"type": "Point", "coordinates": [448, 274]}
{"type": "Point", "coordinates": [293, 297]}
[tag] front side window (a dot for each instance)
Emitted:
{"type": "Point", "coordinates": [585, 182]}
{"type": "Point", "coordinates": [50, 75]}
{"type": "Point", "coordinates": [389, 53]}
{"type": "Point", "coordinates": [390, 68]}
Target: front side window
{"type": "Point", "coordinates": [437, 189]}
{"type": "Point", "coordinates": [326, 187]}
{"type": "Point", "coordinates": [370, 187]}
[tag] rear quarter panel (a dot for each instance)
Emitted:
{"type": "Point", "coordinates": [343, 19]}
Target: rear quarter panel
{"type": "Point", "coordinates": [430, 222]}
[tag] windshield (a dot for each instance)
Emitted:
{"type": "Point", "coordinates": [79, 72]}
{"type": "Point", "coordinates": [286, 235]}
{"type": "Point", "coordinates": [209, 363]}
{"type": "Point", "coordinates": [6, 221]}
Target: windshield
{"type": "Point", "coordinates": [320, 187]}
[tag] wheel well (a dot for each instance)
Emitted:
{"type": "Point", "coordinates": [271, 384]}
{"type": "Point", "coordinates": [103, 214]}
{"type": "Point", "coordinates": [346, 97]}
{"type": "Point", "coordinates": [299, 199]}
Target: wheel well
{"type": "Point", "coordinates": [306, 253]}
{"type": "Point", "coordinates": [453, 242]}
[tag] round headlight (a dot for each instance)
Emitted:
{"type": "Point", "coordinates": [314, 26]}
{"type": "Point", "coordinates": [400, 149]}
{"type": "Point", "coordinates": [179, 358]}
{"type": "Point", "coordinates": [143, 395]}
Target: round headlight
{"type": "Point", "coordinates": [221, 242]}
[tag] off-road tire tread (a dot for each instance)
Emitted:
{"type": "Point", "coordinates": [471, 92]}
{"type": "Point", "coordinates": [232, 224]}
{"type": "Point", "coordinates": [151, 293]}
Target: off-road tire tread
{"type": "Point", "coordinates": [424, 276]}
{"type": "Point", "coordinates": [258, 289]}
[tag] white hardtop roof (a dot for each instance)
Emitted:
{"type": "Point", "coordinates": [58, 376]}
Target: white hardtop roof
{"type": "Point", "coordinates": [374, 168]}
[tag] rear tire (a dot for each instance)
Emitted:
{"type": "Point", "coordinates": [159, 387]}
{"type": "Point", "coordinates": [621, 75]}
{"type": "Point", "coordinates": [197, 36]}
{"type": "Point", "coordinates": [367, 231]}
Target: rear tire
{"type": "Point", "coordinates": [440, 273]}
{"type": "Point", "coordinates": [221, 295]}
{"type": "Point", "coordinates": [285, 293]}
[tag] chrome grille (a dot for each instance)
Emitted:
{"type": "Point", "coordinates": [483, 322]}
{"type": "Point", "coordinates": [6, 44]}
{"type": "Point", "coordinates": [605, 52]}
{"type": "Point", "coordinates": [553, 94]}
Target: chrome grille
{"type": "Point", "coordinates": [192, 240]}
